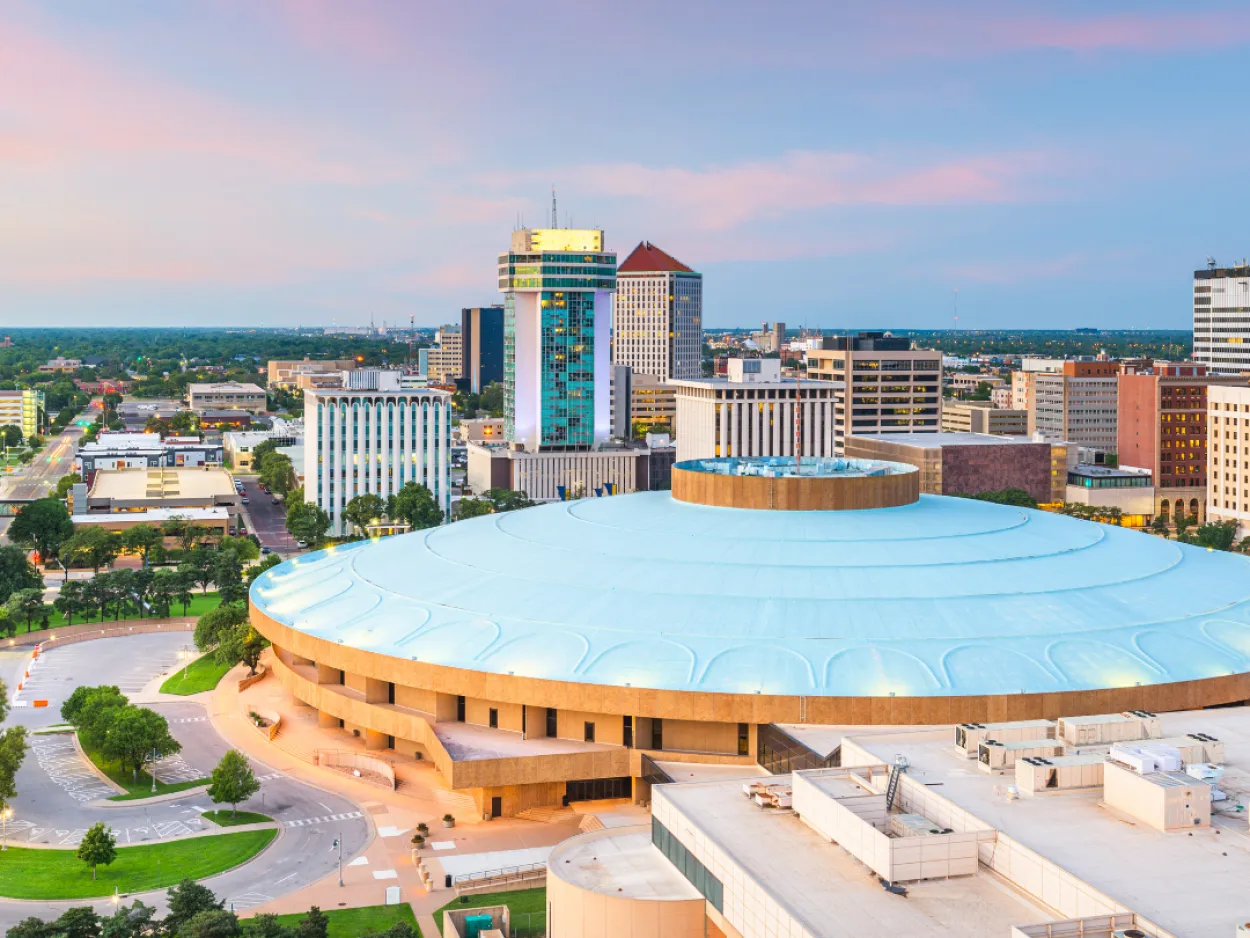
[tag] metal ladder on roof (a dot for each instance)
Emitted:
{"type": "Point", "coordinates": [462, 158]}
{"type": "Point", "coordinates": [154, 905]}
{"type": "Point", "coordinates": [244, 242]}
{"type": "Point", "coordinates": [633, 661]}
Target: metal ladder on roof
{"type": "Point", "coordinates": [896, 773]}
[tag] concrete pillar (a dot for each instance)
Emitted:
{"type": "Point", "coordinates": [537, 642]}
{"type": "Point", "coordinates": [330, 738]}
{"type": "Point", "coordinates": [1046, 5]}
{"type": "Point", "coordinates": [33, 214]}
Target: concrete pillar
{"type": "Point", "coordinates": [377, 691]}
{"type": "Point", "coordinates": [376, 740]}
{"type": "Point", "coordinates": [300, 659]}
{"type": "Point", "coordinates": [325, 721]}
{"type": "Point", "coordinates": [328, 675]}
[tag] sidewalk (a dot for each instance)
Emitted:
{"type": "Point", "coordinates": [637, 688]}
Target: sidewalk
{"type": "Point", "coordinates": [423, 796]}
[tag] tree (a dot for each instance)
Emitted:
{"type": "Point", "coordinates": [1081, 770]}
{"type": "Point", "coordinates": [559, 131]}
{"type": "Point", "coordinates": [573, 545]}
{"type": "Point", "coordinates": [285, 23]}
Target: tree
{"type": "Point", "coordinates": [261, 450]}
{"type": "Point", "coordinates": [136, 736]}
{"type": "Point", "coordinates": [266, 925]}
{"type": "Point", "coordinates": [1014, 496]}
{"type": "Point", "coordinates": [216, 623]}
{"type": "Point", "coordinates": [65, 485]}
{"type": "Point", "coordinates": [415, 504]}
{"type": "Point", "coordinates": [277, 472]}
{"type": "Point", "coordinates": [77, 922]}
{"type": "Point", "coordinates": [8, 625]}
{"type": "Point", "coordinates": [121, 590]}
{"type": "Point", "coordinates": [25, 604]}
{"type": "Point", "coordinates": [98, 846]}
{"type": "Point", "coordinates": [200, 565]}
{"type": "Point", "coordinates": [91, 546]}
{"type": "Point", "coordinates": [306, 522]}
{"type": "Point", "coordinates": [12, 436]}
{"type": "Point", "coordinates": [162, 593]}
{"type": "Point", "coordinates": [43, 525]}
{"type": "Point", "coordinates": [492, 399]}
{"type": "Point", "coordinates": [91, 714]}
{"type": "Point", "coordinates": [242, 643]}
{"type": "Point", "coordinates": [136, 921]}
{"type": "Point", "coordinates": [217, 923]}
{"type": "Point", "coordinates": [254, 571]}
{"type": "Point", "coordinates": [509, 499]}
{"type": "Point", "coordinates": [363, 510]}
{"type": "Point", "coordinates": [1160, 525]}
{"type": "Point", "coordinates": [186, 900]}
{"type": "Point", "coordinates": [233, 781]}
{"type": "Point", "coordinates": [472, 508]}
{"type": "Point", "coordinates": [315, 924]}
{"type": "Point", "coordinates": [228, 575]}
{"type": "Point", "coordinates": [140, 539]}
{"type": "Point", "coordinates": [1217, 535]}
{"type": "Point", "coordinates": [31, 928]}
{"type": "Point", "coordinates": [1181, 522]}
{"type": "Point", "coordinates": [12, 754]}
{"type": "Point", "coordinates": [182, 589]}
{"type": "Point", "coordinates": [71, 601]}
{"type": "Point", "coordinates": [184, 421]}
{"type": "Point", "coordinates": [16, 572]}
{"type": "Point", "coordinates": [244, 547]}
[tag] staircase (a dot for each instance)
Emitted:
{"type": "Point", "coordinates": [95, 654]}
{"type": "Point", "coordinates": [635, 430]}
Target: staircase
{"type": "Point", "coordinates": [548, 814]}
{"type": "Point", "coordinates": [896, 773]}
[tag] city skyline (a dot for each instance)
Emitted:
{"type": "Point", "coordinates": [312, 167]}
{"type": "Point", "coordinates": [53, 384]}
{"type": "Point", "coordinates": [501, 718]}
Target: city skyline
{"type": "Point", "coordinates": [225, 164]}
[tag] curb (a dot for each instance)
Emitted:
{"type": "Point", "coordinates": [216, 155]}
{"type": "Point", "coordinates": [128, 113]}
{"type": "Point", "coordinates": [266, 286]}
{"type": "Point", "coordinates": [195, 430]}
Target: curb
{"type": "Point", "coordinates": [144, 802]}
{"type": "Point", "coordinates": [96, 770]}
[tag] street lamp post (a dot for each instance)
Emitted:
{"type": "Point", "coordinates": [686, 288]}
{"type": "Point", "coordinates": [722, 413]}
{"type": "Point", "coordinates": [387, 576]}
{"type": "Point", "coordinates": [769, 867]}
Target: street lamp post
{"type": "Point", "coordinates": [338, 843]}
{"type": "Point", "coordinates": [154, 770]}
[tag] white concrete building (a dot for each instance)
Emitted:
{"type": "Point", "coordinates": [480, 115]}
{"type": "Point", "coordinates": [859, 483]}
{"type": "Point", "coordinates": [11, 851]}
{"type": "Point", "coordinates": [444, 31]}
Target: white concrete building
{"type": "Point", "coordinates": [751, 412]}
{"type": "Point", "coordinates": [891, 387]}
{"type": "Point", "coordinates": [1222, 318]}
{"type": "Point", "coordinates": [363, 439]}
{"type": "Point", "coordinates": [1075, 401]}
{"type": "Point", "coordinates": [1228, 454]}
{"type": "Point", "coordinates": [658, 326]}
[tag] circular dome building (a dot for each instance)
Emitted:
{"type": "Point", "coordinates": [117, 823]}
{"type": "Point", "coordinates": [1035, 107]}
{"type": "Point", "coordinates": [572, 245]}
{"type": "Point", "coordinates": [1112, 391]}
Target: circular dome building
{"type": "Point", "coordinates": [752, 594]}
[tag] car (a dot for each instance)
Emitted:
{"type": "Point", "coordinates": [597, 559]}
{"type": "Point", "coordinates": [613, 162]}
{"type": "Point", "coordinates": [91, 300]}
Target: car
{"type": "Point", "coordinates": [274, 500]}
{"type": "Point", "coordinates": [264, 550]}
{"type": "Point", "coordinates": [301, 544]}
{"type": "Point", "coordinates": [245, 500]}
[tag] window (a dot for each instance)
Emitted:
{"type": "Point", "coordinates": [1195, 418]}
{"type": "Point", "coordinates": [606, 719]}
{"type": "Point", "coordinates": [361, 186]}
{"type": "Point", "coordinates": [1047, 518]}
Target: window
{"type": "Point", "coordinates": [494, 718]}
{"type": "Point", "coordinates": [589, 730]}
{"type": "Point", "coordinates": [627, 732]}
{"type": "Point", "coordinates": [700, 877]}
{"type": "Point", "coordinates": [460, 709]}
{"type": "Point", "coordinates": [744, 739]}
{"type": "Point", "coordinates": [552, 730]}
{"type": "Point", "coordinates": [657, 733]}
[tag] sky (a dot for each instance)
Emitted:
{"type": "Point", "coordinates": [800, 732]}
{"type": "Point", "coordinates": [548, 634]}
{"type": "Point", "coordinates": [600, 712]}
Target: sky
{"type": "Point", "coordinates": [829, 164]}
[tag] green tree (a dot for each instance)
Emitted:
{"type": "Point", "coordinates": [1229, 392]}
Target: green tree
{"type": "Point", "coordinates": [306, 522]}
{"type": "Point", "coordinates": [215, 924]}
{"type": "Point", "coordinates": [31, 928]}
{"type": "Point", "coordinates": [508, 499]}
{"type": "Point", "coordinates": [266, 925]}
{"type": "Point", "coordinates": [43, 525]}
{"type": "Point", "coordinates": [472, 508]}
{"type": "Point", "coordinates": [135, 734]}
{"type": "Point", "coordinates": [1159, 525]}
{"type": "Point", "coordinates": [77, 922]}
{"type": "Point", "coordinates": [91, 546]}
{"type": "Point", "coordinates": [228, 575]}
{"type": "Point", "coordinates": [200, 565]}
{"type": "Point", "coordinates": [134, 921]}
{"type": "Point", "coordinates": [140, 539]}
{"type": "Point", "coordinates": [98, 846]}
{"type": "Point", "coordinates": [277, 472]}
{"type": "Point", "coordinates": [415, 504]}
{"type": "Point", "coordinates": [162, 593]}
{"type": "Point", "coordinates": [8, 625]}
{"type": "Point", "coordinates": [254, 571]}
{"type": "Point", "coordinates": [16, 572]}
{"type": "Point", "coordinates": [1013, 496]}
{"type": "Point", "coordinates": [242, 643]}
{"type": "Point", "coordinates": [12, 754]}
{"type": "Point", "coordinates": [71, 601]}
{"type": "Point", "coordinates": [261, 450]}
{"type": "Point", "coordinates": [183, 593]}
{"type": "Point", "coordinates": [233, 781]}
{"type": "Point", "coordinates": [12, 436]}
{"type": "Point", "coordinates": [364, 510]}
{"type": "Point", "coordinates": [94, 716]}
{"type": "Point", "coordinates": [217, 623]}
{"type": "Point", "coordinates": [25, 604]}
{"type": "Point", "coordinates": [1182, 523]}
{"type": "Point", "coordinates": [244, 547]}
{"type": "Point", "coordinates": [492, 399]}
{"type": "Point", "coordinates": [65, 485]}
{"type": "Point", "coordinates": [1217, 535]}
{"type": "Point", "coordinates": [183, 422]}
{"type": "Point", "coordinates": [315, 924]}
{"type": "Point", "coordinates": [186, 900]}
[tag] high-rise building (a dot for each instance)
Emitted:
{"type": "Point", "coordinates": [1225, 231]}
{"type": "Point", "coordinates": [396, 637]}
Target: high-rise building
{"type": "Point", "coordinates": [23, 409]}
{"type": "Point", "coordinates": [558, 285]}
{"type": "Point", "coordinates": [371, 436]}
{"type": "Point", "coordinates": [750, 412]}
{"type": "Point", "coordinates": [444, 361]}
{"type": "Point", "coordinates": [1074, 401]}
{"type": "Point", "coordinates": [890, 387]}
{"type": "Point", "coordinates": [1162, 426]}
{"type": "Point", "coordinates": [658, 325]}
{"type": "Point", "coordinates": [1222, 318]}
{"type": "Point", "coordinates": [1228, 444]}
{"type": "Point", "coordinates": [481, 342]}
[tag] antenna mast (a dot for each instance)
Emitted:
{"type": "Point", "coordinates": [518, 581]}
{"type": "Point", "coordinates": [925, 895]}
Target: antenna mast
{"type": "Point", "coordinates": [555, 220]}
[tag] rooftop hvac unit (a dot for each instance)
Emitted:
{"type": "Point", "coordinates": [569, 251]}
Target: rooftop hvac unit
{"type": "Point", "coordinates": [1129, 933]}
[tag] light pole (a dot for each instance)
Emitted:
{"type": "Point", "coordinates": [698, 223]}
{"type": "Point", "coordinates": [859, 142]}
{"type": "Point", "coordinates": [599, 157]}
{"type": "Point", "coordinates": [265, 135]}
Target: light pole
{"type": "Point", "coordinates": [338, 843]}
{"type": "Point", "coordinates": [154, 770]}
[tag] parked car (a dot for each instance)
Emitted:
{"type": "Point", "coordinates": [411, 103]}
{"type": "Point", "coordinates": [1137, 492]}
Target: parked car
{"type": "Point", "coordinates": [264, 551]}
{"type": "Point", "coordinates": [245, 500]}
{"type": "Point", "coordinates": [274, 500]}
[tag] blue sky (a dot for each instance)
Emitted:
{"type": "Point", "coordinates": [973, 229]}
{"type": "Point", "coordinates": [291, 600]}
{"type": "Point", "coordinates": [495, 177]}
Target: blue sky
{"type": "Point", "coordinates": [828, 164]}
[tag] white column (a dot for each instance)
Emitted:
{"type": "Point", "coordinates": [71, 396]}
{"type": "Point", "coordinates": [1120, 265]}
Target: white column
{"type": "Point", "coordinates": [323, 494]}
{"type": "Point", "coordinates": [445, 462]}
{"type": "Point", "coordinates": [354, 444]}
{"type": "Point", "coordinates": [431, 443]}
{"type": "Point", "coordinates": [341, 457]}
{"type": "Point", "coordinates": [404, 441]}
{"type": "Point", "coordinates": [371, 462]}
{"type": "Point", "coordinates": [807, 429]}
{"type": "Point", "coordinates": [829, 415]}
{"type": "Point", "coordinates": [735, 421]}
{"type": "Point", "coordinates": [418, 428]}
{"type": "Point", "coordinates": [388, 461]}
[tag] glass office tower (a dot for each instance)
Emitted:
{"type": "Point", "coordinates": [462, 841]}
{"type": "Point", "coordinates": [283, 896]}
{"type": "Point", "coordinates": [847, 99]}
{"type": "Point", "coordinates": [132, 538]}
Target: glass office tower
{"type": "Point", "coordinates": [558, 285]}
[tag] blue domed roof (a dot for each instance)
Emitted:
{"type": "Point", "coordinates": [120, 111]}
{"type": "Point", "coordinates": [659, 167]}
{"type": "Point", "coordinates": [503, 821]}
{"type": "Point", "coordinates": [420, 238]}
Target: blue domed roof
{"type": "Point", "coordinates": [946, 596]}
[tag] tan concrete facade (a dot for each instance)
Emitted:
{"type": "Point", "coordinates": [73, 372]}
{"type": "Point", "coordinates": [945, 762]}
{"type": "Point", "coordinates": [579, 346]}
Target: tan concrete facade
{"type": "Point", "coordinates": [797, 493]}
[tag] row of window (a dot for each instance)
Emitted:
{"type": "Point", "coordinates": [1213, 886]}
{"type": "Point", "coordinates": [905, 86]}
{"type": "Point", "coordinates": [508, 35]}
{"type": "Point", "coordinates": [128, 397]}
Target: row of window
{"type": "Point", "coordinates": [699, 875]}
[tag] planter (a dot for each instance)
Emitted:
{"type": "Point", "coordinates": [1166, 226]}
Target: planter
{"type": "Point", "coordinates": [449, 822]}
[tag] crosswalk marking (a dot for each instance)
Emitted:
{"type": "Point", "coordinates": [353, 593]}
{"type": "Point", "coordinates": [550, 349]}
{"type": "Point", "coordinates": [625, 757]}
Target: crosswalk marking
{"type": "Point", "coordinates": [189, 720]}
{"type": "Point", "coordinates": [304, 822]}
{"type": "Point", "coordinates": [249, 900]}
{"type": "Point", "coordinates": [268, 778]}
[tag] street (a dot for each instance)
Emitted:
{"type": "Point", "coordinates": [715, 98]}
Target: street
{"type": "Point", "coordinates": [59, 796]}
{"type": "Point", "coordinates": [267, 520]}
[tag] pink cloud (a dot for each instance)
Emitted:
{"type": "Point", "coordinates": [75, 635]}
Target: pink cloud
{"type": "Point", "coordinates": [719, 197]}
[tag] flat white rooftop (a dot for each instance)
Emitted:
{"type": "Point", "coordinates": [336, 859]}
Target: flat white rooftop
{"type": "Point", "coordinates": [466, 741]}
{"type": "Point", "coordinates": [154, 516]}
{"type": "Point", "coordinates": [708, 772]}
{"type": "Point", "coordinates": [620, 862]}
{"type": "Point", "coordinates": [832, 893]}
{"type": "Point", "coordinates": [1192, 883]}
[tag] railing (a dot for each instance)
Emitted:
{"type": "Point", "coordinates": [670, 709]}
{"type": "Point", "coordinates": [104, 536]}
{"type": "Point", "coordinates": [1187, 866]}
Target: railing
{"type": "Point", "coordinates": [249, 680]}
{"type": "Point", "coordinates": [346, 759]}
{"type": "Point", "coordinates": [500, 880]}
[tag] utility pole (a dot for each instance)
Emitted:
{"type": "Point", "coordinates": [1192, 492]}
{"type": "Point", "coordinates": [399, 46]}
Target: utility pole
{"type": "Point", "coordinates": [338, 843]}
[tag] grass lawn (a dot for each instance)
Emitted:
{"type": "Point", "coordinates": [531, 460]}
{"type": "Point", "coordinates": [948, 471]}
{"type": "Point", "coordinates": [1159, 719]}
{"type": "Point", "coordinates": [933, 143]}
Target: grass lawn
{"type": "Point", "coordinates": [28, 873]}
{"type": "Point", "coordinates": [201, 674]}
{"type": "Point", "coordinates": [142, 788]}
{"type": "Point", "coordinates": [223, 818]}
{"type": "Point", "coordinates": [522, 903]}
{"type": "Point", "coordinates": [351, 923]}
{"type": "Point", "coordinates": [199, 605]}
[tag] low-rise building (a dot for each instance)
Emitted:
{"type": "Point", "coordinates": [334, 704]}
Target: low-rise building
{"type": "Point", "coordinates": [479, 430]}
{"type": "Point", "coordinates": [240, 444]}
{"type": "Point", "coordinates": [135, 490]}
{"type": "Point", "coordinates": [220, 419]}
{"type": "Point", "coordinates": [613, 468]}
{"type": "Point", "coordinates": [135, 414]}
{"type": "Point", "coordinates": [215, 522]}
{"type": "Point", "coordinates": [226, 395]}
{"type": "Point", "coordinates": [61, 364]}
{"type": "Point", "coordinates": [287, 373]}
{"type": "Point", "coordinates": [983, 417]}
{"type": "Point", "coordinates": [751, 412]}
{"type": "Point", "coordinates": [1129, 490]}
{"type": "Point", "coordinates": [970, 463]}
{"type": "Point", "coordinates": [144, 451]}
